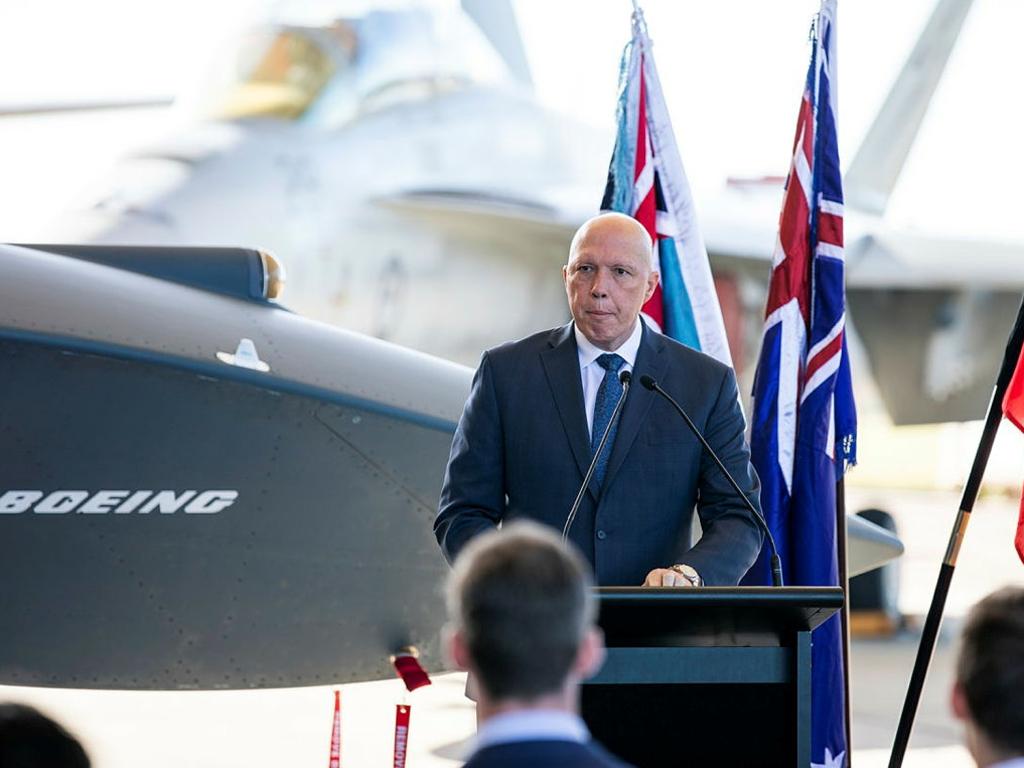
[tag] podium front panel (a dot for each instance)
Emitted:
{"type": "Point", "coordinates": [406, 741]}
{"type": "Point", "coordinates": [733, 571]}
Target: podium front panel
{"type": "Point", "coordinates": [707, 676]}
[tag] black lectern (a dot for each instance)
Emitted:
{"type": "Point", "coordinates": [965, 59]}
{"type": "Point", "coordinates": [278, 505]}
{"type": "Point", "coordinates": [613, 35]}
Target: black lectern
{"type": "Point", "coordinates": [708, 676]}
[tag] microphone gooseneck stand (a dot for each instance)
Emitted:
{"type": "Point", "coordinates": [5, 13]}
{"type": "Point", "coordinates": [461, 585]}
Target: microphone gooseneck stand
{"type": "Point", "coordinates": [776, 563]}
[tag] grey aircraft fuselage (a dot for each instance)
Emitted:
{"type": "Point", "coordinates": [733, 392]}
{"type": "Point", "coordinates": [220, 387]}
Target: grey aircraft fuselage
{"type": "Point", "coordinates": [170, 520]}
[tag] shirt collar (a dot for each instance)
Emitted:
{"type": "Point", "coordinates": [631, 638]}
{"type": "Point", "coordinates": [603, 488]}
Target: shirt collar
{"type": "Point", "coordinates": [531, 725]}
{"type": "Point", "coordinates": [589, 352]}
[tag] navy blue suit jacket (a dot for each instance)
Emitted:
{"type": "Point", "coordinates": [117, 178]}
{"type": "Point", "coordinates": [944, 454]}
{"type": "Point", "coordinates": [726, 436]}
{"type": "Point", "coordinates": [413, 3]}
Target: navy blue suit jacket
{"type": "Point", "coordinates": [522, 448]}
{"type": "Point", "coordinates": [542, 754]}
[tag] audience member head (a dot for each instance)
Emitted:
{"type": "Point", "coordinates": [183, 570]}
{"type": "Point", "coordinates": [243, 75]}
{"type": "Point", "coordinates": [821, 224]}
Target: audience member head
{"type": "Point", "coordinates": [522, 619]}
{"type": "Point", "coordinates": [29, 739]}
{"type": "Point", "coordinates": [988, 694]}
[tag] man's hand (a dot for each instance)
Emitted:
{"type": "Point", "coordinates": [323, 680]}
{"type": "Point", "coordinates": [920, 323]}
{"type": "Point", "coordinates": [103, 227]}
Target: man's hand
{"type": "Point", "coordinates": [666, 577]}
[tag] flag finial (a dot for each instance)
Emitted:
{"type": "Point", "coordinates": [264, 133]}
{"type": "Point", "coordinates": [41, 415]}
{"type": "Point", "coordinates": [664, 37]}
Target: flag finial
{"type": "Point", "coordinates": [639, 22]}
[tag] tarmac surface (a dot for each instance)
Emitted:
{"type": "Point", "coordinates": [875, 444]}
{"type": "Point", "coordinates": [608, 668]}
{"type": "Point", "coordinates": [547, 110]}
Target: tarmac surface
{"type": "Point", "coordinates": [292, 727]}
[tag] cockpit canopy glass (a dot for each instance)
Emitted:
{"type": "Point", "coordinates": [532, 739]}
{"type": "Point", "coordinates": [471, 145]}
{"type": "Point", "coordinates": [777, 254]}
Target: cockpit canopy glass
{"type": "Point", "coordinates": [278, 72]}
{"type": "Point", "coordinates": [326, 71]}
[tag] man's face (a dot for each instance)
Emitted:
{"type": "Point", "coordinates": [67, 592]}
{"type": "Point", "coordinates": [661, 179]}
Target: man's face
{"type": "Point", "coordinates": [607, 280]}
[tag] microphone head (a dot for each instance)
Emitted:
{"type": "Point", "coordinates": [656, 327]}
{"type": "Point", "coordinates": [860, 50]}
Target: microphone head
{"type": "Point", "coordinates": [625, 378]}
{"type": "Point", "coordinates": [648, 382]}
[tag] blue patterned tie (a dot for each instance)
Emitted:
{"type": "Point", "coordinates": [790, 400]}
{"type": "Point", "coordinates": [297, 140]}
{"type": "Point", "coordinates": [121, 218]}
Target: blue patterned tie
{"type": "Point", "coordinates": [607, 396]}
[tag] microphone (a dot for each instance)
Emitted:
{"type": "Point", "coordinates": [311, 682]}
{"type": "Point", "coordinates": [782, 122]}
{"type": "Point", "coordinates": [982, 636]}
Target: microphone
{"type": "Point", "coordinates": [776, 564]}
{"type": "Point", "coordinates": [626, 378]}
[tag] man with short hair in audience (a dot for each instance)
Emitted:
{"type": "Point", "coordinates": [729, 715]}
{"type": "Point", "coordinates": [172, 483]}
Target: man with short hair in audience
{"type": "Point", "coordinates": [522, 621]}
{"type": "Point", "coordinates": [988, 694]}
{"type": "Point", "coordinates": [29, 739]}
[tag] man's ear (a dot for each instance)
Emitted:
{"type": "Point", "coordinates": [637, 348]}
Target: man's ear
{"type": "Point", "coordinates": [454, 644]}
{"type": "Point", "coordinates": [958, 702]}
{"type": "Point", "coordinates": [591, 654]}
{"type": "Point", "coordinates": [652, 283]}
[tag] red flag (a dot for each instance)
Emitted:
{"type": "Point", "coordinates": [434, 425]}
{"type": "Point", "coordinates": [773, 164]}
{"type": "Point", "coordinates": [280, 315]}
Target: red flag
{"type": "Point", "coordinates": [408, 668]}
{"type": "Point", "coordinates": [1013, 409]}
{"type": "Point", "coordinates": [1018, 540]}
{"type": "Point", "coordinates": [335, 761]}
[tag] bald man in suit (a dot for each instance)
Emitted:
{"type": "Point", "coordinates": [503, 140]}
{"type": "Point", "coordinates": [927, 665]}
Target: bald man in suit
{"type": "Point", "coordinates": [539, 406]}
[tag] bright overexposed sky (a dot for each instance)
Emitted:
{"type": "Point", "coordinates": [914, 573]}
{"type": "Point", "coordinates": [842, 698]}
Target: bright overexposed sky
{"type": "Point", "coordinates": [732, 73]}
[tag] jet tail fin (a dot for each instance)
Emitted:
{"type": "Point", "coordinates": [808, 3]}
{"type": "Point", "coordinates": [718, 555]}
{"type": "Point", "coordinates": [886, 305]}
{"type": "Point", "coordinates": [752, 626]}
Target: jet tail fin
{"type": "Point", "coordinates": [497, 20]}
{"type": "Point", "coordinates": [879, 161]}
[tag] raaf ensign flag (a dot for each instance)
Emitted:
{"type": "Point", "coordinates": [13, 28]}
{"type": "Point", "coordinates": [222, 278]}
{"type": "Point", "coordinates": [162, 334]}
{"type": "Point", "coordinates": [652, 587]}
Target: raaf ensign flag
{"type": "Point", "coordinates": [803, 425]}
{"type": "Point", "coordinates": [646, 180]}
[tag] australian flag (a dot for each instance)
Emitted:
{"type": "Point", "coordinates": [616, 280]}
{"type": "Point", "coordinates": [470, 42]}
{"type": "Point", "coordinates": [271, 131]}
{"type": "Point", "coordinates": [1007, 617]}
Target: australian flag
{"type": "Point", "coordinates": [803, 426]}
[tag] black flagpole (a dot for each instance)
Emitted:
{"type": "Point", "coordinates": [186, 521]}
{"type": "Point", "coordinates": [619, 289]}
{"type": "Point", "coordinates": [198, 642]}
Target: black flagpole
{"type": "Point", "coordinates": [931, 624]}
{"type": "Point", "coordinates": [844, 582]}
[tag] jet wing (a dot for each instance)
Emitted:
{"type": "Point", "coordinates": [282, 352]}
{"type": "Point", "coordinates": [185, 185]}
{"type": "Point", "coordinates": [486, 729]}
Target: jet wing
{"type": "Point", "coordinates": [737, 234]}
{"type": "Point", "coordinates": [491, 216]}
{"type": "Point", "coordinates": [870, 546]}
{"type": "Point", "coordinates": [21, 109]}
{"type": "Point", "coordinates": [933, 314]}
{"type": "Point", "coordinates": [908, 261]}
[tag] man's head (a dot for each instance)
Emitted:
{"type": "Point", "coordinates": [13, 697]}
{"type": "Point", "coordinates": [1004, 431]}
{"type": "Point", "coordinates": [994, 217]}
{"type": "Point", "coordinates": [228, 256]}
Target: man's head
{"type": "Point", "coordinates": [522, 615]}
{"type": "Point", "coordinates": [29, 739]}
{"type": "Point", "coordinates": [989, 691]}
{"type": "Point", "coordinates": [609, 278]}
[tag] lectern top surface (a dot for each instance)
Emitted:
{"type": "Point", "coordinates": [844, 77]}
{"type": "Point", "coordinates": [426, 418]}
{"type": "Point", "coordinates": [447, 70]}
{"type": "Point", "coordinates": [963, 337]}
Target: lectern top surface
{"type": "Point", "coordinates": [706, 615]}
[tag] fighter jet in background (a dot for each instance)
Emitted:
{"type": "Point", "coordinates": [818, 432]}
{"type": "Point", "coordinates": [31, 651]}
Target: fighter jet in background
{"type": "Point", "coordinates": [398, 162]}
{"type": "Point", "coordinates": [400, 165]}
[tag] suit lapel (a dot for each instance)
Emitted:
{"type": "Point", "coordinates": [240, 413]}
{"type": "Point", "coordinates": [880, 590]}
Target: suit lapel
{"type": "Point", "coordinates": [562, 367]}
{"type": "Point", "coordinates": [650, 361]}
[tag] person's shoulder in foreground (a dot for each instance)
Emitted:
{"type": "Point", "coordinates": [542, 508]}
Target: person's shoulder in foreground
{"type": "Point", "coordinates": [540, 754]}
{"type": "Point", "coordinates": [526, 735]}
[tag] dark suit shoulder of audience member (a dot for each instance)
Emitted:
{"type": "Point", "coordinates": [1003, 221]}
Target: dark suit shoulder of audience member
{"type": "Point", "coordinates": [541, 754]}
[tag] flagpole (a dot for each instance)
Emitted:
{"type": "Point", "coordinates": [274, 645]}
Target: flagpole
{"type": "Point", "coordinates": [970, 495]}
{"type": "Point", "coordinates": [844, 582]}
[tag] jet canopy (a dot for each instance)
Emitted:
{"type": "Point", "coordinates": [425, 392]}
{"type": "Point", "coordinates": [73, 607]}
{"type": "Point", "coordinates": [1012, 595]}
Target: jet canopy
{"type": "Point", "coordinates": [326, 72]}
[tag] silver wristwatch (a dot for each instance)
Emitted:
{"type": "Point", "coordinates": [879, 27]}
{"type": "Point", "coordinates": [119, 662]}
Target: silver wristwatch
{"type": "Point", "coordinates": [691, 574]}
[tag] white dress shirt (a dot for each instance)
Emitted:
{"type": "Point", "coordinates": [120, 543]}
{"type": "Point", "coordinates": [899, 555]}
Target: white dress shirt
{"type": "Point", "coordinates": [531, 725]}
{"type": "Point", "coordinates": [591, 371]}
{"type": "Point", "coordinates": [1016, 762]}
